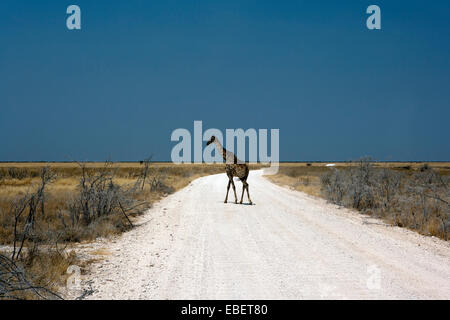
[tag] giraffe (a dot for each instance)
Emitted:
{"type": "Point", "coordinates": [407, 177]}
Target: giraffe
{"type": "Point", "coordinates": [234, 168]}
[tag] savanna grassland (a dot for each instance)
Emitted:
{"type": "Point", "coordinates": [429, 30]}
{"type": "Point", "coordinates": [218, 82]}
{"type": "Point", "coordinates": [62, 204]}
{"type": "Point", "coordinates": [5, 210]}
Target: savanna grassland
{"type": "Point", "coordinates": [406, 194]}
{"type": "Point", "coordinates": [45, 208]}
{"type": "Point", "coordinates": [18, 179]}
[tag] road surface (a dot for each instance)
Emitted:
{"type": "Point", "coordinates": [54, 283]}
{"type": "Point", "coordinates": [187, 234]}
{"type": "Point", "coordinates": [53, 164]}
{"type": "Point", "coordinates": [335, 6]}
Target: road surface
{"type": "Point", "coordinates": [288, 245]}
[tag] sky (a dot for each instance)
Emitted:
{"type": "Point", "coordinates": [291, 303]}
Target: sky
{"type": "Point", "coordinates": [137, 70]}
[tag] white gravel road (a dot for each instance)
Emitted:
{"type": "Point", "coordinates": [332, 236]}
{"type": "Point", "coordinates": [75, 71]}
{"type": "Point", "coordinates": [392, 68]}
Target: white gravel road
{"type": "Point", "coordinates": [287, 245]}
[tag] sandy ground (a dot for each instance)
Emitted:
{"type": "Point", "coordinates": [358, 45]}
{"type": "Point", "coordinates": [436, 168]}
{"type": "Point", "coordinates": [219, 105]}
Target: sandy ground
{"type": "Point", "coordinates": [287, 245]}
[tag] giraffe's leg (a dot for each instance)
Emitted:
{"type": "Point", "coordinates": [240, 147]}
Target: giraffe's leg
{"type": "Point", "coordinates": [228, 189]}
{"type": "Point", "coordinates": [243, 189]}
{"type": "Point", "coordinates": [234, 189]}
{"type": "Point", "coordinates": [248, 194]}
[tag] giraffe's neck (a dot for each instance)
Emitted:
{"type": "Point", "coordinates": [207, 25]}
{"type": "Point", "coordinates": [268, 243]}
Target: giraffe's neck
{"type": "Point", "coordinates": [221, 149]}
{"type": "Point", "coordinates": [228, 156]}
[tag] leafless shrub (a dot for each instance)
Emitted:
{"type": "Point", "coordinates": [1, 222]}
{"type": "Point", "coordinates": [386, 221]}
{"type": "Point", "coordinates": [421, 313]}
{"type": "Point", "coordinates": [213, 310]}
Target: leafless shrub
{"type": "Point", "coordinates": [360, 191]}
{"type": "Point", "coordinates": [429, 201]}
{"type": "Point", "coordinates": [418, 200]}
{"type": "Point", "coordinates": [388, 183]}
{"type": "Point", "coordinates": [333, 185]}
{"type": "Point", "coordinates": [99, 196]}
{"type": "Point", "coordinates": [32, 204]}
{"type": "Point", "coordinates": [145, 170]}
{"type": "Point", "coordinates": [14, 284]}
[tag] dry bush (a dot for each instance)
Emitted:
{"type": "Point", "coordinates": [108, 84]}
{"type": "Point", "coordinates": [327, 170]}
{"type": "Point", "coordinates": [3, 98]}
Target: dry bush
{"type": "Point", "coordinates": [30, 272]}
{"type": "Point", "coordinates": [417, 199]}
{"type": "Point", "coordinates": [38, 274]}
{"type": "Point", "coordinates": [333, 186]}
{"type": "Point", "coordinates": [98, 196]}
{"type": "Point", "coordinates": [351, 186]}
{"type": "Point", "coordinates": [15, 283]}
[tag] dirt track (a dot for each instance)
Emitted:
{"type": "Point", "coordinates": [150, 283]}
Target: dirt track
{"type": "Point", "coordinates": [286, 246]}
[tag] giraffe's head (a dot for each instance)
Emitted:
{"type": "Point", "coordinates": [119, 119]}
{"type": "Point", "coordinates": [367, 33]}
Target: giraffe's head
{"type": "Point", "coordinates": [211, 140]}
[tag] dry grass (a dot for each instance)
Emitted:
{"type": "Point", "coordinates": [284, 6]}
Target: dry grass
{"type": "Point", "coordinates": [49, 269]}
{"type": "Point", "coordinates": [300, 176]}
{"type": "Point", "coordinates": [101, 252]}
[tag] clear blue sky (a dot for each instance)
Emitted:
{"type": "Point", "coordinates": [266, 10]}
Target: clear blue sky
{"type": "Point", "coordinates": [139, 69]}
